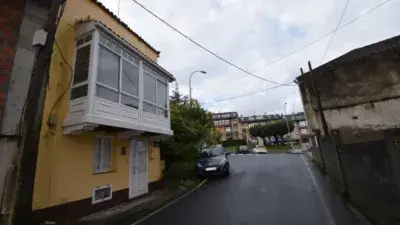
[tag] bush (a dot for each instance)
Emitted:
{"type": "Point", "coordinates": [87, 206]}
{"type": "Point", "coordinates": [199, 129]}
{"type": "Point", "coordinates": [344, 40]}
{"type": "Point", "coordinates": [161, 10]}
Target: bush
{"type": "Point", "coordinates": [181, 170]}
{"type": "Point", "coordinates": [234, 142]}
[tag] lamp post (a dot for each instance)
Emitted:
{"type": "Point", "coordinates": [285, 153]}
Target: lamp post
{"type": "Point", "coordinates": [190, 82]}
{"type": "Point", "coordinates": [287, 125]}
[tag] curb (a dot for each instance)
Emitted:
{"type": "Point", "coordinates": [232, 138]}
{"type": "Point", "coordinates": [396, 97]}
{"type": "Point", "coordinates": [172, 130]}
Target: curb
{"type": "Point", "coordinates": [169, 202]}
{"type": "Point", "coordinates": [363, 219]}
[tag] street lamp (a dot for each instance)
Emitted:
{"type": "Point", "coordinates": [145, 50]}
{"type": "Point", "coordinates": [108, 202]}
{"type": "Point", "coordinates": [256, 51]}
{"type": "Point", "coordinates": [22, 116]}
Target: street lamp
{"type": "Point", "coordinates": [287, 125]}
{"type": "Point", "coordinates": [190, 82]}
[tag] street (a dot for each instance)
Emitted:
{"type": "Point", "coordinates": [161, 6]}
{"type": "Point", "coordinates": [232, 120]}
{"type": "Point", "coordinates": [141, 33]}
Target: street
{"type": "Point", "coordinates": [263, 189]}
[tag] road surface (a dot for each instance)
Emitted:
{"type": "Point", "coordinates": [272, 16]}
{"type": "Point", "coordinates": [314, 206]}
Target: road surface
{"type": "Point", "coordinates": [266, 190]}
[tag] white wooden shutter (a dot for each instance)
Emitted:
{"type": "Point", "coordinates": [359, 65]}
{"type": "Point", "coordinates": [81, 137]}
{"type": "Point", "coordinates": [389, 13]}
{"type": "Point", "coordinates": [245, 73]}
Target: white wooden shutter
{"type": "Point", "coordinates": [106, 154]}
{"type": "Point", "coordinates": [97, 155]}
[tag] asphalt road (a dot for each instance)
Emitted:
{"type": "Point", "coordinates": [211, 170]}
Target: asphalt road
{"type": "Point", "coordinates": [277, 189]}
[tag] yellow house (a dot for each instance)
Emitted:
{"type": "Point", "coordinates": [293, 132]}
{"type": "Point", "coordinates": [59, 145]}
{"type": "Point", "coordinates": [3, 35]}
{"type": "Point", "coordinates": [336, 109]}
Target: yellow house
{"type": "Point", "coordinates": [105, 109]}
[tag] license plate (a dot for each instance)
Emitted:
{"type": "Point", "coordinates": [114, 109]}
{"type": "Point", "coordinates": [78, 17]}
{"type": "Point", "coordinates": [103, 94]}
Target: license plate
{"type": "Point", "coordinates": [211, 168]}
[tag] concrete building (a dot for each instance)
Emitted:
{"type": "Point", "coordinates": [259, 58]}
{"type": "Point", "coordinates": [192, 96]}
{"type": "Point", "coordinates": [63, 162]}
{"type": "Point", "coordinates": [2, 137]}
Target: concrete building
{"type": "Point", "coordinates": [359, 150]}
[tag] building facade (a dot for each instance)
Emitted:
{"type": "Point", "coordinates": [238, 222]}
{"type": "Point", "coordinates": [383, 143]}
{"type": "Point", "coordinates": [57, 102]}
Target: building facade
{"type": "Point", "coordinates": [228, 125]}
{"type": "Point", "coordinates": [359, 149]}
{"type": "Point", "coordinates": [98, 140]}
{"type": "Point", "coordinates": [249, 121]}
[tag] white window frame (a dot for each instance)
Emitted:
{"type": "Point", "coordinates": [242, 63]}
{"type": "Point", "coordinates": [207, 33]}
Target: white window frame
{"type": "Point", "coordinates": [124, 55]}
{"type": "Point", "coordinates": [78, 47]}
{"type": "Point", "coordinates": [96, 157]}
{"type": "Point", "coordinates": [152, 73]}
{"type": "Point", "coordinates": [103, 199]}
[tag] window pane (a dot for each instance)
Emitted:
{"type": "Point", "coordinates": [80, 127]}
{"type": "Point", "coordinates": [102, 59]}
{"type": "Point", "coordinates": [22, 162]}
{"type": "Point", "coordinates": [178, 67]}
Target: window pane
{"type": "Point", "coordinates": [79, 92]}
{"type": "Point", "coordinates": [130, 78]}
{"type": "Point", "coordinates": [108, 72]}
{"type": "Point", "coordinates": [82, 64]}
{"type": "Point", "coordinates": [162, 112]}
{"type": "Point", "coordinates": [97, 155]}
{"type": "Point", "coordinates": [149, 108]}
{"type": "Point", "coordinates": [106, 154]}
{"type": "Point", "coordinates": [149, 84]}
{"type": "Point", "coordinates": [162, 94]}
{"type": "Point", "coordinates": [129, 101]}
{"type": "Point", "coordinates": [106, 93]}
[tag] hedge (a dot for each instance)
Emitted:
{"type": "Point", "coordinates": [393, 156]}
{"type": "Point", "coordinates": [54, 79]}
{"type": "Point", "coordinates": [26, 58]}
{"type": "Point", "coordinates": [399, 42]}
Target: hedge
{"type": "Point", "coordinates": [234, 142]}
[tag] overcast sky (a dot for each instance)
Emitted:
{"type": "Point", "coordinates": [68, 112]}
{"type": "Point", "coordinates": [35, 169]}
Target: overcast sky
{"type": "Point", "coordinates": [252, 34]}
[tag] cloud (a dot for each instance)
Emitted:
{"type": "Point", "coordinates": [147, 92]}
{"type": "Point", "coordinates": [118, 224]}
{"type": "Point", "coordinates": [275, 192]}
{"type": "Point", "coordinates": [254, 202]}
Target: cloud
{"type": "Point", "coordinates": [252, 34]}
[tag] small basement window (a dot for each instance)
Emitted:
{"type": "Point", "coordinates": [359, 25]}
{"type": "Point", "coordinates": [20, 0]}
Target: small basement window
{"type": "Point", "coordinates": [102, 193]}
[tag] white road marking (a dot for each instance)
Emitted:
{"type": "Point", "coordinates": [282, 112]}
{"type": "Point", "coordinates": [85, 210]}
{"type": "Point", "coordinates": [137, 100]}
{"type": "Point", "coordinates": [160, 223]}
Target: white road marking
{"type": "Point", "coordinates": [240, 154]}
{"type": "Point", "coordinates": [176, 200]}
{"type": "Point", "coordinates": [327, 212]}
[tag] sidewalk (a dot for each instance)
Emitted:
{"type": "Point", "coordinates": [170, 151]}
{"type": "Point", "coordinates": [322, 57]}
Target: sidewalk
{"type": "Point", "coordinates": [130, 212]}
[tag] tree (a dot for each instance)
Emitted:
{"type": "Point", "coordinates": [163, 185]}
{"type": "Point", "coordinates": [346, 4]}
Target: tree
{"type": "Point", "coordinates": [193, 128]}
{"type": "Point", "coordinates": [274, 129]}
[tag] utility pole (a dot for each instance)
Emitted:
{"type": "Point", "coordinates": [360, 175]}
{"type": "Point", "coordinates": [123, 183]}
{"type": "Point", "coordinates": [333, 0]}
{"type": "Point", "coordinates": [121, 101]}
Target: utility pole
{"type": "Point", "coordinates": [21, 199]}
{"type": "Point", "coordinates": [319, 104]}
{"type": "Point", "coordinates": [319, 111]}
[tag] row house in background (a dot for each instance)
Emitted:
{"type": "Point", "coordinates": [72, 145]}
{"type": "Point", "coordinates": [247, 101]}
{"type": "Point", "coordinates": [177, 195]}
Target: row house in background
{"type": "Point", "coordinates": [106, 106]}
{"type": "Point", "coordinates": [227, 124]}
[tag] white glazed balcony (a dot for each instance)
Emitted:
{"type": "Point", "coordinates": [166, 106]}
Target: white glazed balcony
{"type": "Point", "coordinates": [90, 112]}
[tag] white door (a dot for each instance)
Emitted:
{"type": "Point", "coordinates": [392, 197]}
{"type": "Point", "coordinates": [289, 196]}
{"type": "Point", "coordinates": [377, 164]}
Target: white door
{"type": "Point", "coordinates": [138, 169]}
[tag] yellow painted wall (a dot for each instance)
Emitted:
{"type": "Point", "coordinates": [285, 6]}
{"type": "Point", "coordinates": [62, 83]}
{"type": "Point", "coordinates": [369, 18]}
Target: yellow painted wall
{"type": "Point", "coordinates": [64, 171]}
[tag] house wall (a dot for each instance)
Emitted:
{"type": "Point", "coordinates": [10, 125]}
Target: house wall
{"type": "Point", "coordinates": [65, 172]}
{"type": "Point", "coordinates": [64, 175]}
{"type": "Point", "coordinates": [18, 21]}
{"type": "Point", "coordinates": [82, 9]}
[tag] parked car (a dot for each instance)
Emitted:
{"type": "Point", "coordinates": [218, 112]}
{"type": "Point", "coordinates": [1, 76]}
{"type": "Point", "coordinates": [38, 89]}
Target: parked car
{"type": "Point", "coordinates": [260, 149]}
{"type": "Point", "coordinates": [213, 160]}
{"type": "Point", "coordinates": [297, 151]}
{"type": "Point", "coordinates": [243, 149]}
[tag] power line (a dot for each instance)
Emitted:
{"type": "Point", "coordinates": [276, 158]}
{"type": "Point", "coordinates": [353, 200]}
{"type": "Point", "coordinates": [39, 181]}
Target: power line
{"type": "Point", "coordinates": [303, 47]}
{"type": "Point", "coordinates": [204, 48]}
{"type": "Point", "coordinates": [323, 36]}
{"type": "Point", "coordinates": [334, 31]}
{"type": "Point", "coordinates": [247, 94]}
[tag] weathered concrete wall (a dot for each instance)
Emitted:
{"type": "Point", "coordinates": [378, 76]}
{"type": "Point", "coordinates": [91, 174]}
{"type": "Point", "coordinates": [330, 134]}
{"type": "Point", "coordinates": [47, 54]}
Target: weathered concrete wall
{"type": "Point", "coordinates": [18, 21]}
{"type": "Point", "coordinates": [11, 13]}
{"type": "Point", "coordinates": [370, 167]}
{"type": "Point", "coordinates": [360, 96]}
{"type": "Point", "coordinates": [363, 92]}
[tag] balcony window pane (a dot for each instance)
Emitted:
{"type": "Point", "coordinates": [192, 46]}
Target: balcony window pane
{"type": "Point", "coordinates": [149, 108]}
{"type": "Point", "coordinates": [149, 84]}
{"type": "Point", "coordinates": [108, 72]}
{"type": "Point", "coordinates": [82, 64]}
{"type": "Point", "coordinates": [78, 92]}
{"type": "Point", "coordinates": [130, 78]}
{"type": "Point", "coordinates": [162, 94]}
{"type": "Point", "coordinates": [106, 93]}
{"type": "Point", "coordinates": [129, 101]}
{"type": "Point", "coordinates": [162, 112]}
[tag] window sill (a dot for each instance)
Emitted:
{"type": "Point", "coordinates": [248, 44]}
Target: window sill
{"type": "Point", "coordinates": [102, 172]}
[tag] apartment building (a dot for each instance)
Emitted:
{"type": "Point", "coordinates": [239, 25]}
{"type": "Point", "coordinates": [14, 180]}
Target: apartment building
{"type": "Point", "coordinates": [228, 125]}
